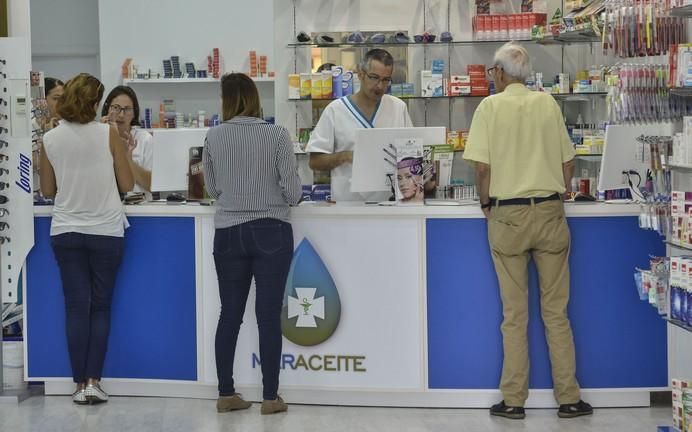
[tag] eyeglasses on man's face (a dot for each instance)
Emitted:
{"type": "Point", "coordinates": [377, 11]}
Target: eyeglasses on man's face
{"type": "Point", "coordinates": [493, 71]}
{"type": "Point", "coordinates": [386, 81]}
{"type": "Point", "coordinates": [117, 109]}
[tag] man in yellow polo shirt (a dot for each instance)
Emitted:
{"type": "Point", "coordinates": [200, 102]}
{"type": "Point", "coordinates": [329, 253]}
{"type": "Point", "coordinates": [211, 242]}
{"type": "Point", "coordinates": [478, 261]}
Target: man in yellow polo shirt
{"type": "Point", "coordinates": [524, 160]}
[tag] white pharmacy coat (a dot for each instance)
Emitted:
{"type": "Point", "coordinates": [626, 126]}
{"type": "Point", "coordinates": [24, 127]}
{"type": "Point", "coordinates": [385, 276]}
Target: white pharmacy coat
{"type": "Point", "coordinates": [336, 132]}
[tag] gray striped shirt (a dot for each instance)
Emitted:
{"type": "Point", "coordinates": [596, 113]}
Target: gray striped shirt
{"type": "Point", "coordinates": [251, 171]}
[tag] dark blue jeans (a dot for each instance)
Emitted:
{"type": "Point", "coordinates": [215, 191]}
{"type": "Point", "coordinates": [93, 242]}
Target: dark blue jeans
{"type": "Point", "coordinates": [262, 248]}
{"type": "Point", "coordinates": [88, 268]}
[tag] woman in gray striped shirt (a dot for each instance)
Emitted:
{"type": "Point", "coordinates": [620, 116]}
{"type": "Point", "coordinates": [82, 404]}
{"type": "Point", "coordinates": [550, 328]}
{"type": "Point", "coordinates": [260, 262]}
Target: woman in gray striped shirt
{"type": "Point", "coordinates": [250, 169]}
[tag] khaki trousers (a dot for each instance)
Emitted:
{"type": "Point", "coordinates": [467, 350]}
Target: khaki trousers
{"type": "Point", "coordinates": [516, 232]}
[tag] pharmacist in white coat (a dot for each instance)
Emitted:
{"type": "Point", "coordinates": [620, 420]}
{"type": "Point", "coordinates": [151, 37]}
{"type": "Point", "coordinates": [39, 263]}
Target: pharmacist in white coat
{"type": "Point", "coordinates": [331, 143]}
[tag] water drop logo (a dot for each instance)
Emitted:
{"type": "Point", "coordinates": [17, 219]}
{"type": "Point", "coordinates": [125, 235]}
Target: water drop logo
{"type": "Point", "coordinates": [312, 307]}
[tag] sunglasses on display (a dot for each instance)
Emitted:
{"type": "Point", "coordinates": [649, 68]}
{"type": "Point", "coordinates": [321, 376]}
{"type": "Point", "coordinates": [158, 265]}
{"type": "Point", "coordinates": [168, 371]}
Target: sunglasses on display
{"type": "Point", "coordinates": [4, 239]}
{"type": "Point", "coordinates": [4, 226]}
{"type": "Point", "coordinates": [4, 157]}
{"type": "Point", "coordinates": [4, 143]}
{"type": "Point", "coordinates": [4, 212]}
{"type": "Point", "coordinates": [4, 185]}
{"type": "Point", "coordinates": [3, 199]}
{"type": "Point", "coordinates": [4, 171]}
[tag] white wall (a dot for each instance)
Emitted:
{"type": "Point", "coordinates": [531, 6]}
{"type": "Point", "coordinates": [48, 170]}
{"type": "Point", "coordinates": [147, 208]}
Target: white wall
{"type": "Point", "coordinates": [65, 37]}
{"type": "Point", "coordinates": [152, 30]}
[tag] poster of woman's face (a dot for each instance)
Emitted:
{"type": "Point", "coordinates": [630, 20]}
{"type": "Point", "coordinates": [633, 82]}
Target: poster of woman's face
{"type": "Point", "coordinates": [410, 180]}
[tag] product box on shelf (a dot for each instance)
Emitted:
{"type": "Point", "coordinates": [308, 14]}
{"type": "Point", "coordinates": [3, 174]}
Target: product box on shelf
{"type": "Point", "coordinates": [408, 90]}
{"type": "Point", "coordinates": [686, 295]}
{"type": "Point", "coordinates": [681, 393]}
{"type": "Point", "coordinates": [316, 86]}
{"type": "Point", "coordinates": [305, 85]}
{"type": "Point", "coordinates": [254, 67]}
{"type": "Point", "coordinates": [459, 85]}
{"type": "Point", "coordinates": [687, 408]}
{"type": "Point", "coordinates": [675, 286]}
{"type": "Point", "coordinates": [327, 89]}
{"type": "Point", "coordinates": [337, 81]}
{"type": "Point", "coordinates": [457, 139]}
{"type": "Point", "coordinates": [347, 83]}
{"type": "Point", "coordinates": [294, 86]}
{"type": "Point", "coordinates": [396, 90]}
{"type": "Point", "coordinates": [479, 88]}
{"type": "Point", "coordinates": [431, 84]}
{"type": "Point", "coordinates": [453, 139]}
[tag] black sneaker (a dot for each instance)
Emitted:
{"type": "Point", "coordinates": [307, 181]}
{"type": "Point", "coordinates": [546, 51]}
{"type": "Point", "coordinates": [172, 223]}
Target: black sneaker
{"type": "Point", "coordinates": [578, 409]}
{"type": "Point", "coordinates": [502, 410]}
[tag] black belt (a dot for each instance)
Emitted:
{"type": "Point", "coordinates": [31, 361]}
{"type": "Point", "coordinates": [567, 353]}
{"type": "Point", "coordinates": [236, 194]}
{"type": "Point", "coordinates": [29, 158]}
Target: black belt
{"type": "Point", "coordinates": [524, 201]}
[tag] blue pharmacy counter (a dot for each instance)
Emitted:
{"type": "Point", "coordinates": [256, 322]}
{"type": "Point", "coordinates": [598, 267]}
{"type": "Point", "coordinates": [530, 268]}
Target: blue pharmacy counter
{"type": "Point", "coordinates": [404, 310]}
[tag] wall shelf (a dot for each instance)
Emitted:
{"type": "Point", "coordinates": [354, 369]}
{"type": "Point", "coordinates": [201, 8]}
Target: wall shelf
{"type": "Point", "coordinates": [679, 166]}
{"type": "Point", "coordinates": [566, 97]}
{"type": "Point", "coordinates": [681, 91]}
{"type": "Point", "coordinates": [680, 324]}
{"type": "Point", "coordinates": [678, 245]}
{"type": "Point", "coordinates": [685, 11]}
{"type": "Point", "coordinates": [185, 81]}
{"type": "Point", "coordinates": [566, 38]}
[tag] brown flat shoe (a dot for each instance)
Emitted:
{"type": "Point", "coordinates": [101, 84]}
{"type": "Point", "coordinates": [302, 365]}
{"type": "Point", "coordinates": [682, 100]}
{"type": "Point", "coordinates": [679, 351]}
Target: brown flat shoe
{"type": "Point", "coordinates": [273, 406]}
{"type": "Point", "coordinates": [231, 403]}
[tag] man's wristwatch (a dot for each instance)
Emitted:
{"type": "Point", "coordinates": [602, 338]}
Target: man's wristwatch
{"type": "Point", "coordinates": [486, 205]}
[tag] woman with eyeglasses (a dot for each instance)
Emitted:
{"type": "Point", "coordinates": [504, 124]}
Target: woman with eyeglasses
{"type": "Point", "coordinates": [121, 109]}
{"type": "Point", "coordinates": [84, 166]}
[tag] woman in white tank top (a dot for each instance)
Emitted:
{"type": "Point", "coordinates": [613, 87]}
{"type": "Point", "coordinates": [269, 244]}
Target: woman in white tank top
{"type": "Point", "coordinates": [84, 166]}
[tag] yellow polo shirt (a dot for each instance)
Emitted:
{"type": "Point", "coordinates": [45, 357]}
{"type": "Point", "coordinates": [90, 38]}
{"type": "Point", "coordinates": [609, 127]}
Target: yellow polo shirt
{"type": "Point", "coordinates": [522, 136]}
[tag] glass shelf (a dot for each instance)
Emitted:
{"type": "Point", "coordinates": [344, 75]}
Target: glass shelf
{"type": "Point", "coordinates": [565, 38]}
{"type": "Point", "coordinates": [566, 97]}
{"type": "Point", "coordinates": [678, 245]}
{"type": "Point", "coordinates": [685, 11]}
{"type": "Point", "coordinates": [679, 166]}
{"type": "Point", "coordinates": [681, 91]}
{"type": "Point", "coordinates": [680, 324]}
{"type": "Point", "coordinates": [186, 80]}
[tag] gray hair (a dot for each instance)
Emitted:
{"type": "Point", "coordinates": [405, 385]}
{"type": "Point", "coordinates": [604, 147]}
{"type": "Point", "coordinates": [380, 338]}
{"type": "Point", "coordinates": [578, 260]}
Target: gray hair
{"type": "Point", "coordinates": [514, 60]}
{"type": "Point", "coordinates": [378, 54]}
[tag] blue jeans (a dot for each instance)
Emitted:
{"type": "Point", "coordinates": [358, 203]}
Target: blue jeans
{"type": "Point", "coordinates": [88, 268]}
{"type": "Point", "coordinates": [261, 248]}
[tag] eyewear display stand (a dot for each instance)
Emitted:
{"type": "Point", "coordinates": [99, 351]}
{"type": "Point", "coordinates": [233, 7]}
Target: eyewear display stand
{"type": "Point", "coordinates": [16, 172]}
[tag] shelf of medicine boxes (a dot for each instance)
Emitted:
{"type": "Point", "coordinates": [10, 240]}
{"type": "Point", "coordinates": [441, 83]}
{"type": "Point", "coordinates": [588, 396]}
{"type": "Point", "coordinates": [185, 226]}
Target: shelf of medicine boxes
{"type": "Point", "coordinates": [678, 245]}
{"type": "Point", "coordinates": [678, 166]}
{"type": "Point", "coordinates": [566, 97]}
{"type": "Point", "coordinates": [681, 91]}
{"type": "Point", "coordinates": [564, 38]}
{"type": "Point", "coordinates": [684, 11]}
{"type": "Point", "coordinates": [186, 80]}
{"type": "Point", "coordinates": [680, 324]}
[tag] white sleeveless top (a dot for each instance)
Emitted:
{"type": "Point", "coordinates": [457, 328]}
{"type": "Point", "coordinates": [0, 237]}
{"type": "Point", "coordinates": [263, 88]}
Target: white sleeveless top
{"type": "Point", "coordinates": [87, 199]}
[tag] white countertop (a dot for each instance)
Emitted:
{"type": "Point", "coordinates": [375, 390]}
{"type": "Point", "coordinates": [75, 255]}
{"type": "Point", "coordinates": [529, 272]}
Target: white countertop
{"type": "Point", "coordinates": [357, 209]}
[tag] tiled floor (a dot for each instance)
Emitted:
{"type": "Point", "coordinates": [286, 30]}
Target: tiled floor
{"type": "Point", "coordinates": [58, 413]}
